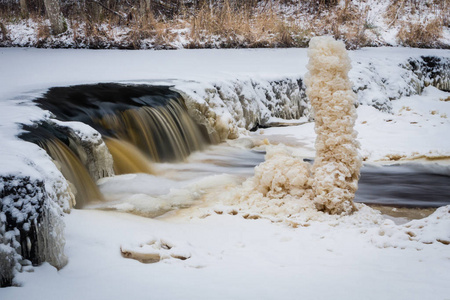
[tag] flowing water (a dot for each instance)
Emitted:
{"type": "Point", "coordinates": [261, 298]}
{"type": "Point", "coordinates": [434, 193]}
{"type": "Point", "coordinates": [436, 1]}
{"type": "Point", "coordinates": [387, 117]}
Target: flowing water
{"type": "Point", "coordinates": [412, 185]}
{"type": "Point", "coordinates": [140, 125]}
{"type": "Point", "coordinates": [73, 170]}
{"type": "Point", "coordinates": [151, 137]}
{"type": "Point", "coordinates": [406, 185]}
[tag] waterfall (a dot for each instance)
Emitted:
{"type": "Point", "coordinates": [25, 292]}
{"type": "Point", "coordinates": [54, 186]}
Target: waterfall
{"type": "Point", "coordinates": [105, 129]}
{"type": "Point", "coordinates": [127, 157]}
{"type": "Point", "coordinates": [83, 186]}
{"type": "Point", "coordinates": [126, 127]}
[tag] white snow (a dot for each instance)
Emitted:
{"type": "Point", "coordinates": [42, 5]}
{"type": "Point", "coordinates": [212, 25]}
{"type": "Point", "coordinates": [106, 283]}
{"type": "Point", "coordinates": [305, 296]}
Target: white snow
{"type": "Point", "coordinates": [231, 254]}
{"type": "Point", "coordinates": [368, 17]}
{"type": "Point", "coordinates": [234, 258]}
{"type": "Point", "coordinates": [416, 130]}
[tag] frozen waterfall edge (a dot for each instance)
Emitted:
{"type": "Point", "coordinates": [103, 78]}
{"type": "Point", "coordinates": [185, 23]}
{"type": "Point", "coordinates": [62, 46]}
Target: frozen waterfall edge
{"type": "Point", "coordinates": [226, 109]}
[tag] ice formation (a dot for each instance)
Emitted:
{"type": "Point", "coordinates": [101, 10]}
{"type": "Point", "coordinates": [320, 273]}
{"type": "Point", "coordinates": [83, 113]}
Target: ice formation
{"type": "Point", "coordinates": [281, 186]}
{"type": "Point", "coordinates": [228, 108]}
{"type": "Point", "coordinates": [284, 183]}
{"type": "Point", "coordinates": [378, 82]}
{"type": "Point", "coordinates": [31, 228]}
{"type": "Point", "coordinates": [337, 163]}
{"type": "Point", "coordinates": [88, 145]}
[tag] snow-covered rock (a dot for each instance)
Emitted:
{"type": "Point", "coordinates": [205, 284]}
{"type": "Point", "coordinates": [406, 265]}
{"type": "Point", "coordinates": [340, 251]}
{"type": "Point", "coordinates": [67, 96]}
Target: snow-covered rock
{"type": "Point", "coordinates": [31, 227]}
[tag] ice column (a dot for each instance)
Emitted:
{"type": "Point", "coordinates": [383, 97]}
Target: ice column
{"type": "Point", "coordinates": [337, 163]}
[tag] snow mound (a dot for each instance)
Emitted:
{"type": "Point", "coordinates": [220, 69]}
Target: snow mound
{"type": "Point", "coordinates": [156, 250]}
{"type": "Point", "coordinates": [432, 230]}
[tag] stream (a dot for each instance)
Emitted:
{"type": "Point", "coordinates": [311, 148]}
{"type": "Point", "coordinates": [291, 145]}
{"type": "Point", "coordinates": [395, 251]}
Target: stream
{"type": "Point", "coordinates": [410, 185]}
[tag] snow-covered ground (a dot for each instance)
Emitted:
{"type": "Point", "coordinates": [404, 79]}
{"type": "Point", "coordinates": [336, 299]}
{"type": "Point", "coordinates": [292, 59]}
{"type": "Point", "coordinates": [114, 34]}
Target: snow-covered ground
{"type": "Point", "coordinates": [416, 130]}
{"type": "Point", "coordinates": [358, 22]}
{"type": "Point", "coordinates": [211, 250]}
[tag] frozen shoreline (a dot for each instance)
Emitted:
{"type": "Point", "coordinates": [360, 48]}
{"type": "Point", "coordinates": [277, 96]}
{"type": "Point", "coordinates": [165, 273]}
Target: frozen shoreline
{"type": "Point", "coordinates": [231, 256]}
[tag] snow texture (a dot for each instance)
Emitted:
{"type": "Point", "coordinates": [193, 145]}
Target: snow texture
{"type": "Point", "coordinates": [231, 107]}
{"type": "Point", "coordinates": [377, 74]}
{"type": "Point", "coordinates": [433, 230]}
{"type": "Point", "coordinates": [31, 228]}
{"type": "Point", "coordinates": [89, 146]}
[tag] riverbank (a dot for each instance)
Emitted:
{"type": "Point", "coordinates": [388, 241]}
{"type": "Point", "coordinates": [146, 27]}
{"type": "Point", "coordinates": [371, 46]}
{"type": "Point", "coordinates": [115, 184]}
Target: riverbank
{"type": "Point", "coordinates": [230, 24]}
{"type": "Point", "coordinates": [214, 249]}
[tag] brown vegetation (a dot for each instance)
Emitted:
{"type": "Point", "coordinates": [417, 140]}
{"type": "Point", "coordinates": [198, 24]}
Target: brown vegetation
{"type": "Point", "coordinates": [225, 23]}
{"type": "Point", "coordinates": [415, 30]}
{"type": "Point", "coordinates": [420, 35]}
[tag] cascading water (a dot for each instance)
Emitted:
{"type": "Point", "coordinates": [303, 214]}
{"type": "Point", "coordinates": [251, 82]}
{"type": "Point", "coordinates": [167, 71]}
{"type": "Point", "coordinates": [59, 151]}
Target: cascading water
{"type": "Point", "coordinates": [127, 157]}
{"type": "Point", "coordinates": [165, 133]}
{"type": "Point", "coordinates": [73, 170]}
{"type": "Point", "coordinates": [138, 124]}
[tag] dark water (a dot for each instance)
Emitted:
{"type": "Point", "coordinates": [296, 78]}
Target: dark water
{"type": "Point", "coordinates": [404, 186]}
{"type": "Point", "coordinates": [152, 118]}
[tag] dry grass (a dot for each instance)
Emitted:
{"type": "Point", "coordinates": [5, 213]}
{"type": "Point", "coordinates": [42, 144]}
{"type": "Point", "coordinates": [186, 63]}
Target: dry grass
{"type": "Point", "coordinates": [43, 31]}
{"type": "Point", "coordinates": [235, 23]}
{"type": "Point", "coordinates": [235, 26]}
{"type": "Point", "coordinates": [419, 35]}
{"type": "Point", "coordinates": [416, 30]}
{"type": "Point", "coordinates": [347, 23]}
{"type": "Point", "coordinates": [3, 32]}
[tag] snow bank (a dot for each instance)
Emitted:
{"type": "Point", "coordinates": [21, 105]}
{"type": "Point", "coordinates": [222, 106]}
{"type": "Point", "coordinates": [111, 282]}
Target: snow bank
{"type": "Point", "coordinates": [433, 230]}
{"type": "Point", "coordinates": [378, 79]}
{"type": "Point", "coordinates": [231, 107]}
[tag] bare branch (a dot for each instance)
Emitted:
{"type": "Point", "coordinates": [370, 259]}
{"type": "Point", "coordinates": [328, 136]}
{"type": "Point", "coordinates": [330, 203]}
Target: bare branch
{"type": "Point", "coordinates": [123, 16]}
